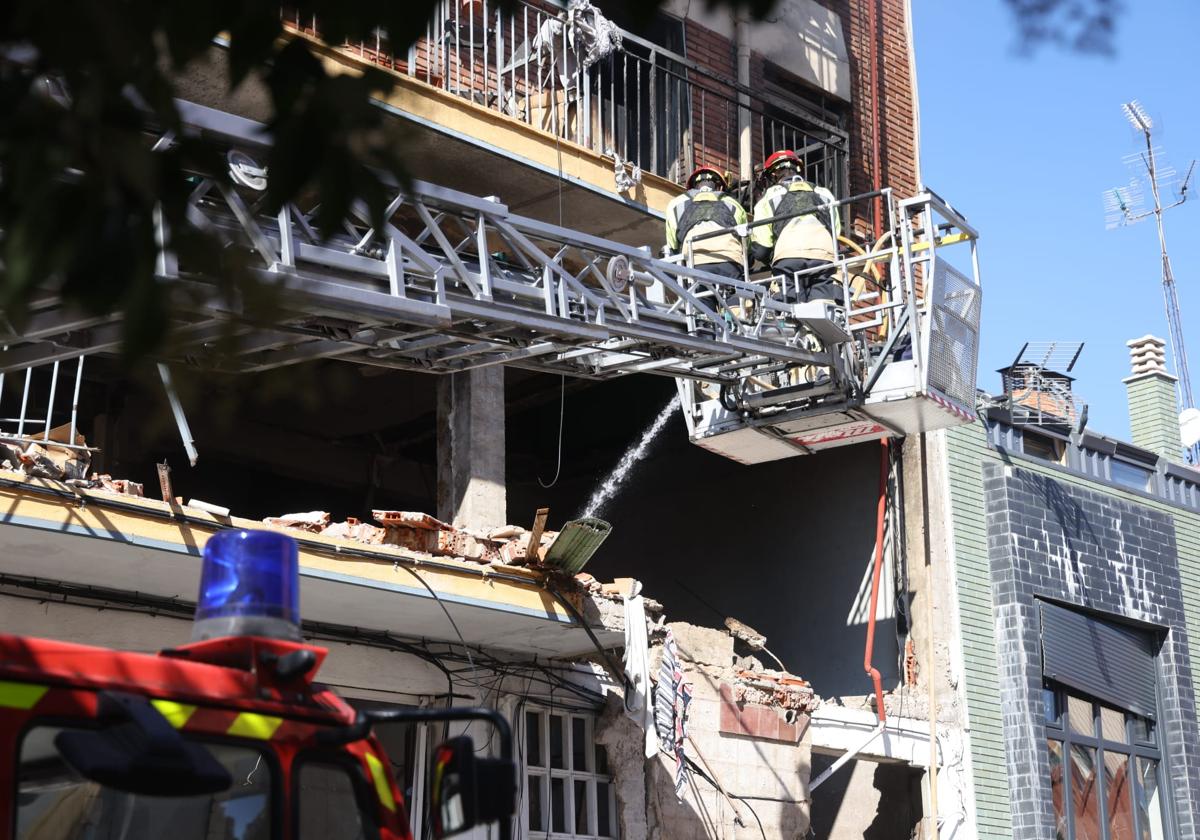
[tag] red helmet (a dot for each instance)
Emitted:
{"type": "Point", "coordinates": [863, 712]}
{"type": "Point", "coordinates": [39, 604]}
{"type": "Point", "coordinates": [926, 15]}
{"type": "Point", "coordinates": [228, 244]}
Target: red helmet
{"type": "Point", "coordinates": [779, 157]}
{"type": "Point", "coordinates": [708, 170]}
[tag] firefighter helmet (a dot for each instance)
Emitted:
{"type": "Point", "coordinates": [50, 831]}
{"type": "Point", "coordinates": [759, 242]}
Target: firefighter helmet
{"type": "Point", "coordinates": [782, 156]}
{"type": "Point", "coordinates": [710, 171]}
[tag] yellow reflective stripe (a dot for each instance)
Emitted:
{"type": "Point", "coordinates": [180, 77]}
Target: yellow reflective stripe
{"type": "Point", "coordinates": [177, 714]}
{"type": "Point", "coordinates": [250, 725]}
{"type": "Point", "coordinates": [949, 239]}
{"type": "Point", "coordinates": [382, 788]}
{"type": "Point", "coordinates": [15, 695]}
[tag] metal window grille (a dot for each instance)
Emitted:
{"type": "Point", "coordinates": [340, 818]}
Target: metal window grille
{"type": "Point", "coordinates": [654, 108]}
{"type": "Point", "coordinates": [567, 790]}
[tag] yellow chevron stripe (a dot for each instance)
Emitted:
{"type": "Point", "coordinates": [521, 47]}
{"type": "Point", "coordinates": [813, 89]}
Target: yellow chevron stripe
{"type": "Point", "coordinates": [15, 695]}
{"type": "Point", "coordinates": [177, 714]}
{"type": "Point", "coordinates": [251, 725]}
{"type": "Point", "coordinates": [382, 788]}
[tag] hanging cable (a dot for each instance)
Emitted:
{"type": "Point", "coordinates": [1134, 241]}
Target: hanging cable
{"type": "Point", "coordinates": [697, 770]}
{"type": "Point", "coordinates": [562, 410]}
{"type": "Point", "coordinates": [450, 618]}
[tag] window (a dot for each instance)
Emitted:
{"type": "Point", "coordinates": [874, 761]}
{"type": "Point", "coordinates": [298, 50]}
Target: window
{"type": "Point", "coordinates": [329, 807]}
{"type": "Point", "coordinates": [568, 789]}
{"type": "Point", "coordinates": [1129, 475]}
{"type": "Point", "coordinates": [55, 801]}
{"type": "Point", "coordinates": [1105, 779]}
{"type": "Point", "coordinates": [1043, 446]}
{"type": "Point", "coordinates": [405, 746]}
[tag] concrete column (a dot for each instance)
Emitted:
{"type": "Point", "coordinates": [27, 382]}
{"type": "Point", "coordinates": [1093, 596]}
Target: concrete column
{"type": "Point", "coordinates": [1153, 404]}
{"type": "Point", "coordinates": [470, 448]}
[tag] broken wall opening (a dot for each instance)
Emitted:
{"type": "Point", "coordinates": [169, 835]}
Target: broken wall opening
{"type": "Point", "coordinates": [785, 546]}
{"type": "Point", "coordinates": [866, 800]}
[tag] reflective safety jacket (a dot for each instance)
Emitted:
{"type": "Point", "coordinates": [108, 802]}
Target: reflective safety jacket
{"type": "Point", "coordinates": [807, 236]}
{"type": "Point", "coordinates": [698, 212]}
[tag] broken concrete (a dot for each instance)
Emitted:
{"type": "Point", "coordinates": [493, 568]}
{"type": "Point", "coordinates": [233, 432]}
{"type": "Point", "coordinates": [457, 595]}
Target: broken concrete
{"type": "Point", "coordinates": [313, 522]}
{"type": "Point", "coordinates": [421, 533]}
{"type": "Point", "coordinates": [747, 732]}
{"type": "Point", "coordinates": [49, 455]}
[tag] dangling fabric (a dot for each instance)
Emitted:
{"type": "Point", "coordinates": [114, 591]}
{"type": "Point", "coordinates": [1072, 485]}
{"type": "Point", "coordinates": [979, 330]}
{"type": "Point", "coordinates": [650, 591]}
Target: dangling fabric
{"type": "Point", "coordinates": [672, 697]}
{"type": "Point", "coordinates": [638, 705]}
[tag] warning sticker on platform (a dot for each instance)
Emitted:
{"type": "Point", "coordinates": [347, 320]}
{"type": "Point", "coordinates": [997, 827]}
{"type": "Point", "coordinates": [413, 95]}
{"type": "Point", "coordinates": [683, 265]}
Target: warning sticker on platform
{"type": "Point", "coordinates": [834, 435]}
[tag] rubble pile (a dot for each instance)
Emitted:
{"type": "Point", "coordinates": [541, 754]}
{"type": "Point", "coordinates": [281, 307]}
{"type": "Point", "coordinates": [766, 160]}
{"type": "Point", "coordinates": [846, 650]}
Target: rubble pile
{"type": "Point", "coordinates": [48, 456]}
{"type": "Point", "coordinates": [51, 455]}
{"type": "Point", "coordinates": [616, 590]}
{"type": "Point", "coordinates": [774, 688]}
{"type": "Point", "coordinates": [420, 532]}
{"type": "Point", "coordinates": [104, 481]}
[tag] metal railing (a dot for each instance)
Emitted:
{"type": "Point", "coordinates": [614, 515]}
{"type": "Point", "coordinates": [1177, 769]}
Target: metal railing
{"type": "Point", "coordinates": [898, 295]}
{"type": "Point", "coordinates": [39, 391]}
{"type": "Point", "coordinates": [603, 88]}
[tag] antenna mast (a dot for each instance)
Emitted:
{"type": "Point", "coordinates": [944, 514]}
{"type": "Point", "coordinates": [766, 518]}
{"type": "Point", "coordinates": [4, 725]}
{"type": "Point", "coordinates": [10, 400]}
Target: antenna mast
{"type": "Point", "coordinates": [1123, 198]}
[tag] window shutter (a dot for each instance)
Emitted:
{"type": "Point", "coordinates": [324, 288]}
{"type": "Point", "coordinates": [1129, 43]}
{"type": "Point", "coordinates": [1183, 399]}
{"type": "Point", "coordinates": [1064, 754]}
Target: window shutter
{"type": "Point", "coordinates": [1111, 662]}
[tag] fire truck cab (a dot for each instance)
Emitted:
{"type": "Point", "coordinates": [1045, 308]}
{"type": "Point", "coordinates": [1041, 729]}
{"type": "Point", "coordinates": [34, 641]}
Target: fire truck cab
{"type": "Point", "coordinates": [226, 738]}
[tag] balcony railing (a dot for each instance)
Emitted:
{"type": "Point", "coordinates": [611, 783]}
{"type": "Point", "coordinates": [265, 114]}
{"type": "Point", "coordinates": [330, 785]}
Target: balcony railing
{"type": "Point", "coordinates": [604, 89]}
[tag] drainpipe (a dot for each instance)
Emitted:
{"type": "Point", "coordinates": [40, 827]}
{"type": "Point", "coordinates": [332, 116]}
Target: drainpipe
{"type": "Point", "coordinates": [869, 652]}
{"type": "Point", "coordinates": [916, 98]}
{"type": "Point", "coordinates": [742, 38]}
{"type": "Point", "coordinates": [876, 175]}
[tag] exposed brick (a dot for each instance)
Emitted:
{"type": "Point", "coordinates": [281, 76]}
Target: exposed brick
{"type": "Point", "coordinates": [757, 721]}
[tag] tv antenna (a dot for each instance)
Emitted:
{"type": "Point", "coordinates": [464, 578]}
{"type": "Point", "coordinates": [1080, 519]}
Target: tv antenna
{"type": "Point", "coordinates": [1037, 385]}
{"type": "Point", "coordinates": [1124, 205]}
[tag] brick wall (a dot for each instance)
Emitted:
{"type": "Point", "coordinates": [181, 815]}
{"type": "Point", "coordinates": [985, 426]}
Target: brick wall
{"type": "Point", "coordinates": [897, 149]}
{"type": "Point", "coordinates": [714, 137]}
{"type": "Point", "coordinates": [1050, 538]}
{"type": "Point", "coordinates": [897, 126]}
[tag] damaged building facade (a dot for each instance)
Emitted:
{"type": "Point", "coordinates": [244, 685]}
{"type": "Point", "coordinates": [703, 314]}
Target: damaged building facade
{"type": "Point", "coordinates": [767, 642]}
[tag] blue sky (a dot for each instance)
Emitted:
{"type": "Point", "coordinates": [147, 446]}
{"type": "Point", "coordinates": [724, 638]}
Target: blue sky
{"type": "Point", "coordinates": [1024, 146]}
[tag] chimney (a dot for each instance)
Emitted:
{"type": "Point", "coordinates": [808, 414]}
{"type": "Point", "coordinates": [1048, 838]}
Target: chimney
{"type": "Point", "coordinates": [1153, 405]}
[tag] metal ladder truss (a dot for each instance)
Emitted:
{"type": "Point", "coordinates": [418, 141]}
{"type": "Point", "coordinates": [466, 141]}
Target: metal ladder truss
{"type": "Point", "coordinates": [902, 344]}
{"type": "Point", "coordinates": [454, 282]}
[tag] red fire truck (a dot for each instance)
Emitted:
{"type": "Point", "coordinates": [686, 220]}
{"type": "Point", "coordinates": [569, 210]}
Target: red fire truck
{"type": "Point", "coordinates": [226, 738]}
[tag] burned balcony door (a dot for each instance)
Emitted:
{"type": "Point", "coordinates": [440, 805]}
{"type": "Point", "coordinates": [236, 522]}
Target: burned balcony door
{"type": "Point", "coordinates": [641, 109]}
{"type": "Point", "coordinates": [777, 124]}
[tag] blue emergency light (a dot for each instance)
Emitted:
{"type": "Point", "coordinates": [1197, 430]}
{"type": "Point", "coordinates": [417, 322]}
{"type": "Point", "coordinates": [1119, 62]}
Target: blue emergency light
{"type": "Point", "coordinates": [249, 586]}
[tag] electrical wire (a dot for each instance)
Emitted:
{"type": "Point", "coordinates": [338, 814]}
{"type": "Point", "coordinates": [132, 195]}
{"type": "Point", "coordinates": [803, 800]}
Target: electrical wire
{"type": "Point", "coordinates": [696, 769]}
{"type": "Point", "coordinates": [562, 409]}
{"type": "Point", "coordinates": [154, 605]}
{"type": "Point", "coordinates": [449, 617]}
{"type": "Point", "coordinates": [615, 671]}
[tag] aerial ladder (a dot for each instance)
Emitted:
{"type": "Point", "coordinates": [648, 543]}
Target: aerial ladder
{"type": "Point", "coordinates": [455, 282]}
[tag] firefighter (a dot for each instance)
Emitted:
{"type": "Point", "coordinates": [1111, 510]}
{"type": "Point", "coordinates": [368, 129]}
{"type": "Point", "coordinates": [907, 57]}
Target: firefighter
{"type": "Point", "coordinates": [803, 242]}
{"type": "Point", "coordinates": [704, 208]}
